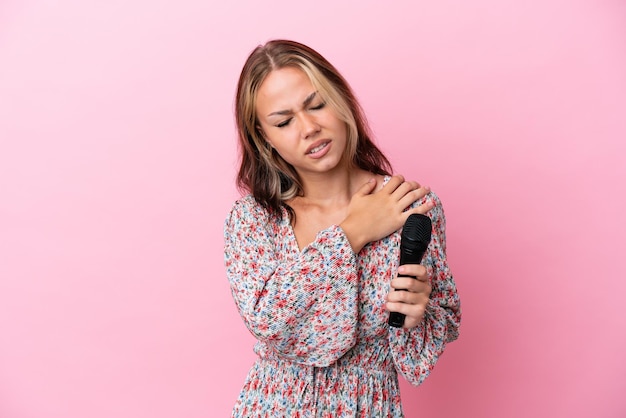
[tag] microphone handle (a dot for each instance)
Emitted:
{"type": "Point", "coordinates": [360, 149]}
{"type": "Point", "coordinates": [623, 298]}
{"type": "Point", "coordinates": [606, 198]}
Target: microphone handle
{"type": "Point", "coordinates": [407, 256]}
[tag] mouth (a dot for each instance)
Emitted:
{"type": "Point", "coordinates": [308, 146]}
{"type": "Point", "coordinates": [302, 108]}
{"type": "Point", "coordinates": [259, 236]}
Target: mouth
{"type": "Point", "coordinates": [318, 147]}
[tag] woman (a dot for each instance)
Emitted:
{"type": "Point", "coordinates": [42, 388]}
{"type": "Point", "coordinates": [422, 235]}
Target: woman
{"type": "Point", "coordinates": [311, 252]}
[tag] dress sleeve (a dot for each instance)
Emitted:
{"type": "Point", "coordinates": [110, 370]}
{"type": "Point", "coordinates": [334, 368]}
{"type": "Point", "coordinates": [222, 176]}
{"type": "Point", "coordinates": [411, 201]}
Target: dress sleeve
{"type": "Point", "coordinates": [303, 307]}
{"type": "Point", "coordinates": [415, 351]}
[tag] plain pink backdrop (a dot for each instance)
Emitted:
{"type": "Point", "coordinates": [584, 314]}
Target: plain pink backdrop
{"type": "Point", "coordinates": [117, 165]}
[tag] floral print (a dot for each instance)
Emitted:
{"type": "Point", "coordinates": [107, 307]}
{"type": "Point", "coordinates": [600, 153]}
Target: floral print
{"type": "Point", "coordinates": [324, 347]}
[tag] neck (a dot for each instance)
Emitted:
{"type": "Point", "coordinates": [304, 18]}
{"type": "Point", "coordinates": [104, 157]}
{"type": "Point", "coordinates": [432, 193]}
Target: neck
{"type": "Point", "coordinates": [330, 189]}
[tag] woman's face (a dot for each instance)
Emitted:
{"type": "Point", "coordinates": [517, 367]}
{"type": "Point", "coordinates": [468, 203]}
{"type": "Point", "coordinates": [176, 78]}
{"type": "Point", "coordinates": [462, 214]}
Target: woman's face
{"type": "Point", "coordinates": [296, 121]}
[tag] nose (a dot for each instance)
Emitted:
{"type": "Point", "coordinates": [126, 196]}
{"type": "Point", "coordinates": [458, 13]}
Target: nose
{"type": "Point", "coordinates": [308, 125]}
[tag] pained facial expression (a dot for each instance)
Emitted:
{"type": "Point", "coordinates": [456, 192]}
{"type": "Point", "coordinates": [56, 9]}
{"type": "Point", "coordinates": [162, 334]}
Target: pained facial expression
{"type": "Point", "coordinates": [297, 122]}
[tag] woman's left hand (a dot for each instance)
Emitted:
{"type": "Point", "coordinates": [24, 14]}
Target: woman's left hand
{"type": "Point", "coordinates": [410, 295]}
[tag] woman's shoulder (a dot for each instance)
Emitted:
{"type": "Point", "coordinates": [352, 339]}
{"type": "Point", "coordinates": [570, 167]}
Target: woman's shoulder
{"type": "Point", "coordinates": [246, 201]}
{"type": "Point", "coordinates": [436, 213]}
{"type": "Point", "coordinates": [247, 204]}
{"type": "Point", "coordinates": [248, 210]}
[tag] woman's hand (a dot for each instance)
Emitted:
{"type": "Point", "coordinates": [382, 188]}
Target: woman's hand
{"type": "Point", "coordinates": [410, 295]}
{"type": "Point", "coordinates": [372, 215]}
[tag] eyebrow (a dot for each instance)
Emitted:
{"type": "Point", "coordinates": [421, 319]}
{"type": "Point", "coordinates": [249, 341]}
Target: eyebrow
{"type": "Point", "coordinates": [305, 103]}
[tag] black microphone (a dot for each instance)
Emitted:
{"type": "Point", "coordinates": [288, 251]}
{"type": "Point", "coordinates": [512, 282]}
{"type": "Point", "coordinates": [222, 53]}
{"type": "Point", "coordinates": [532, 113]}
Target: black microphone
{"type": "Point", "coordinates": [413, 244]}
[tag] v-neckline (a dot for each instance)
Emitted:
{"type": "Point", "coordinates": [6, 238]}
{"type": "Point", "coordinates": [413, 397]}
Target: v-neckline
{"type": "Point", "coordinates": [293, 240]}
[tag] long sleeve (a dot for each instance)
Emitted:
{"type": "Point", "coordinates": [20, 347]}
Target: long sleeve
{"type": "Point", "coordinates": [301, 304]}
{"type": "Point", "coordinates": [415, 351]}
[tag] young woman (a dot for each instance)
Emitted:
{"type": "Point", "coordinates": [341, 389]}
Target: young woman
{"type": "Point", "coordinates": [312, 250]}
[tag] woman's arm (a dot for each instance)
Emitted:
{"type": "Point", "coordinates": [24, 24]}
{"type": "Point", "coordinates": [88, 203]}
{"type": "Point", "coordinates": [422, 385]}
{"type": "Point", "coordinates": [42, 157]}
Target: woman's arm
{"type": "Point", "coordinates": [415, 351]}
{"type": "Point", "coordinates": [305, 309]}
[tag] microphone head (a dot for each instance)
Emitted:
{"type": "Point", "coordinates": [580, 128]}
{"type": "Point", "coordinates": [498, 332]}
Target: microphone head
{"type": "Point", "coordinates": [416, 231]}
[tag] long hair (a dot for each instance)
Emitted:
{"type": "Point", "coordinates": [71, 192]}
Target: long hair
{"type": "Point", "coordinates": [262, 171]}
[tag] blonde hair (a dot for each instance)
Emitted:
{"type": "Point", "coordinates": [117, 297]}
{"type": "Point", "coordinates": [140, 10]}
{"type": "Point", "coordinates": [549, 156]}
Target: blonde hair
{"type": "Point", "coordinates": [262, 171]}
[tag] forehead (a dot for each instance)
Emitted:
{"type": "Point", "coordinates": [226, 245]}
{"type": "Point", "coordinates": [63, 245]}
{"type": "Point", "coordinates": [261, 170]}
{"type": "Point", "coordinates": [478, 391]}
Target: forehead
{"type": "Point", "coordinates": [284, 87]}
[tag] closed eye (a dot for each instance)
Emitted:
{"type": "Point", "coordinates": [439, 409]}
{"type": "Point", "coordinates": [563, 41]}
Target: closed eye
{"type": "Point", "coordinates": [288, 121]}
{"type": "Point", "coordinates": [319, 106]}
{"type": "Point", "coordinates": [283, 123]}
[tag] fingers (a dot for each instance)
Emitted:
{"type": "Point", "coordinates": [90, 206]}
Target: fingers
{"type": "Point", "coordinates": [410, 285]}
{"type": "Point", "coordinates": [413, 298]}
{"type": "Point", "coordinates": [408, 303]}
{"type": "Point", "coordinates": [412, 279]}
{"type": "Point", "coordinates": [384, 210]}
{"type": "Point", "coordinates": [367, 188]}
{"type": "Point", "coordinates": [393, 183]}
{"type": "Point", "coordinates": [396, 300]}
{"type": "Point", "coordinates": [398, 186]}
{"type": "Point", "coordinates": [413, 196]}
{"type": "Point", "coordinates": [415, 271]}
{"type": "Point", "coordinates": [422, 209]}
{"type": "Point", "coordinates": [407, 192]}
{"type": "Point", "coordinates": [414, 312]}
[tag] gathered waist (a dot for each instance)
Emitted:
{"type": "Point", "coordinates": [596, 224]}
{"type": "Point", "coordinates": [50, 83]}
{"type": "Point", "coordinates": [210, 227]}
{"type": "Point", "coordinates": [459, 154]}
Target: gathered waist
{"type": "Point", "coordinates": [361, 383]}
{"type": "Point", "coordinates": [334, 370]}
{"type": "Point", "coordinates": [376, 360]}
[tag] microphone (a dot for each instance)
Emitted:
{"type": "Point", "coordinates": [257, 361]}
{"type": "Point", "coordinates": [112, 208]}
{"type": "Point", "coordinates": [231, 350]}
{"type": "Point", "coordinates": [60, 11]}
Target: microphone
{"type": "Point", "coordinates": [413, 244]}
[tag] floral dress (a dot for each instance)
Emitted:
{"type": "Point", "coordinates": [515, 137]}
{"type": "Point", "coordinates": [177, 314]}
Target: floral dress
{"type": "Point", "coordinates": [324, 347]}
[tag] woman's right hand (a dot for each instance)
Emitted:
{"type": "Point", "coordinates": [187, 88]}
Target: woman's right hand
{"type": "Point", "coordinates": [372, 215]}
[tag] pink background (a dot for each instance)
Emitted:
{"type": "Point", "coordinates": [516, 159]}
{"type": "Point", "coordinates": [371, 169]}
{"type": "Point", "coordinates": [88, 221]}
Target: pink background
{"type": "Point", "coordinates": [117, 164]}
